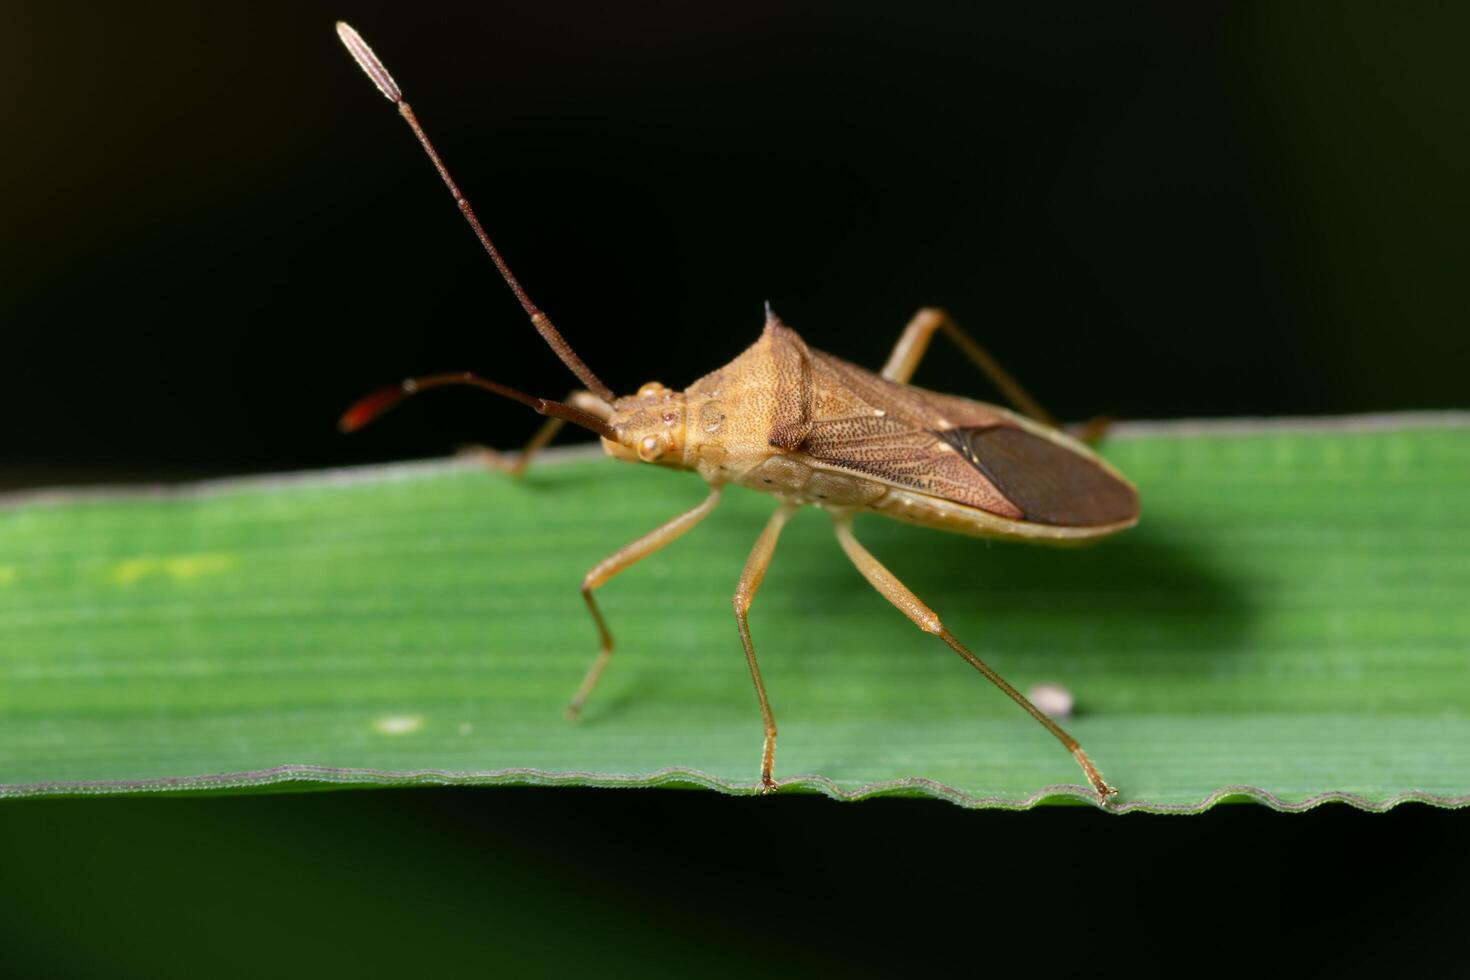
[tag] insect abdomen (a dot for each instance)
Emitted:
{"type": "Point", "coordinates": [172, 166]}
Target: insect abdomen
{"type": "Point", "coordinates": [789, 476]}
{"type": "Point", "coordinates": [926, 510]}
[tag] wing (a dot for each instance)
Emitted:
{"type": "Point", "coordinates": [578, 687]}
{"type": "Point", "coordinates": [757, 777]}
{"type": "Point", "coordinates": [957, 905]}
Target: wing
{"type": "Point", "coordinates": [962, 451]}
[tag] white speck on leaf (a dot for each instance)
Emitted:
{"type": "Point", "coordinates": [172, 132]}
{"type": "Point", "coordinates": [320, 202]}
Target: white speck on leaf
{"type": "Point", "coordinates": [1052, 700]}
{"type": "Point", "coordinates": [398, 724]}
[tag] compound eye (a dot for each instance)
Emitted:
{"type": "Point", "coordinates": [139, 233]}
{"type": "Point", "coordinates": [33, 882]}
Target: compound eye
{"type": "Point", "coordinates": [650, 448]}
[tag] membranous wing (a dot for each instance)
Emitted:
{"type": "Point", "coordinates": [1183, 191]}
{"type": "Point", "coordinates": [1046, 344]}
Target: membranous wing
{"type": "Point", "coordinates": [962, 451]}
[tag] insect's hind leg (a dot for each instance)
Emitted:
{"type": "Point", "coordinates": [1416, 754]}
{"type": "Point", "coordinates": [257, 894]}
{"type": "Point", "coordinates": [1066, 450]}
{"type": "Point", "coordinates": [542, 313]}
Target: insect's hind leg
{"type": "Point", "coordinates": [750, 581]}
{"type": "Point", "coordinates": [614, 563]}
{"type": "Point", "coordinates": [515, 463]}
{"type": "Point", "coordinates": [1091, 432]}
{"type": "Point", "coordinates": [914, 342]}
{"type": "Point", "coordinates": [923, 617]}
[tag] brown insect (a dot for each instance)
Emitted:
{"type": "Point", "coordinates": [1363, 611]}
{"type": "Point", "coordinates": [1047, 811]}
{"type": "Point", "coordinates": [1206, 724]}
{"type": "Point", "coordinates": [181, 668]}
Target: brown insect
{"type": "Point", "coordinates": [811, 429]}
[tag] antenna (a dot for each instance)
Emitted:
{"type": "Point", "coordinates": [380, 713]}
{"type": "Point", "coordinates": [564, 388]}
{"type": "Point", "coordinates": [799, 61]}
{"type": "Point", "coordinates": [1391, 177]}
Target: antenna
{"type": "Point", "coordinates": [373, 68]}
{"type": "Point", "coordinates": [380, 401]}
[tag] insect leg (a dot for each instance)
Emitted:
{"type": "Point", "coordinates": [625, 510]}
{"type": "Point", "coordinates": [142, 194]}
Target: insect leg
{"type": "Point", "coordinates": [516, 464]}
{"type": "Point", "coordinates": [750, 580]}
{"type": "Point", "coordinates": [923, 617]}
{"type": "Point", "coordinates": [625, 556]}
{"type": "Point", "coordinates": [914, 341]}
{"type": "Point", "coordinates": [1091, 432]}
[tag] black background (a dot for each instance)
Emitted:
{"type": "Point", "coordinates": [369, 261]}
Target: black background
{"type": "Point", "coordinates": [215, 235]}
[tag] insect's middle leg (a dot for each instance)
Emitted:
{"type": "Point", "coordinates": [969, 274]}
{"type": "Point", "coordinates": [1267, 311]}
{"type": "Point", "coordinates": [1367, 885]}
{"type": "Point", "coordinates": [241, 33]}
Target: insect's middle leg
{"type": "Point", "coordinates": [923, 617]}
{"type": "Point", "coordinates": [914, 342]}
{"type": "Point", "coordinates": [515, 463]}
{"type": "Point", "coordinates": [750, 581]}
{"type": "Point", "coordinates": [625, 556]}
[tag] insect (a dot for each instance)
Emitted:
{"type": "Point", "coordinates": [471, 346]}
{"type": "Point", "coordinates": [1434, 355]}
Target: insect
{"type": "Point", "coordinates": [813, 430]}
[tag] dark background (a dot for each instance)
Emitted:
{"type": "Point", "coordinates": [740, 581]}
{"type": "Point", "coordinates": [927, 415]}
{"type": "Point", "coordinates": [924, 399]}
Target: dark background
{"type": "Point", "coordinates": [215, 235]}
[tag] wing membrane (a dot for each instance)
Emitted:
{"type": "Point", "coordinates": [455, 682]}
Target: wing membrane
{"type": "Point", "coordinates": [963, 451]}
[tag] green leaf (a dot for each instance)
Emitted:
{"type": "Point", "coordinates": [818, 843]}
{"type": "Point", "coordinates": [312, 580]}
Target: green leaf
{"type": "Point", "coordinates": [1289, 623]}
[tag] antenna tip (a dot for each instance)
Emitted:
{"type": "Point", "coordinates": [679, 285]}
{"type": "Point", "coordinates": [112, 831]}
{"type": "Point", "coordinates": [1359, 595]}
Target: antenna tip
{"type": "Point", "coordinates": [368, 62]}
{"type": "Point", "coordinates": [370, 407]}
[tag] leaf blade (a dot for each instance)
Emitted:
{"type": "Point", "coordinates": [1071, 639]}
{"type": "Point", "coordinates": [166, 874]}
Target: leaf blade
{"type": "Point", "coordinates": [1286, 624]}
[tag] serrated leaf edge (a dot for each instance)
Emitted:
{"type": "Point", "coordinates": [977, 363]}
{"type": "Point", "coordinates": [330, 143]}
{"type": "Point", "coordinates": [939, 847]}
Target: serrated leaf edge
{"type": "Point", "coordinates": [673, 776]}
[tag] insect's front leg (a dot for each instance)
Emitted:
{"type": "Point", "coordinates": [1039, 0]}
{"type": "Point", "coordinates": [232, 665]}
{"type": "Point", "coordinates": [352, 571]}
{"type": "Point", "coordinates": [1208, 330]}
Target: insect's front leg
{"type": "Point", "coordinates": [515, 463]}
{"type": "Point", "coordinates": [625, 556]}
{"type": "Point", "coordinates": [925, 618]}
{"type": "Point", "coordinates": [750, 581]}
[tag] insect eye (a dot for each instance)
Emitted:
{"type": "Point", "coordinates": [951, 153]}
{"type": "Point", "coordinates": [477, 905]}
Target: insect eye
{"type": "Point", "coordinates": [650, 448]}
{"type": "Point", "coordinates": [670, 418]}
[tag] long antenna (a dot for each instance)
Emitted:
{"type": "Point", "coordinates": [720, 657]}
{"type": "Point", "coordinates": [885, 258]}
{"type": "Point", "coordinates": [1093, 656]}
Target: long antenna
{"type": "Point", "coordinates": [373, 68]}
{"type": "Point", "coordinates": [383, 399]}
